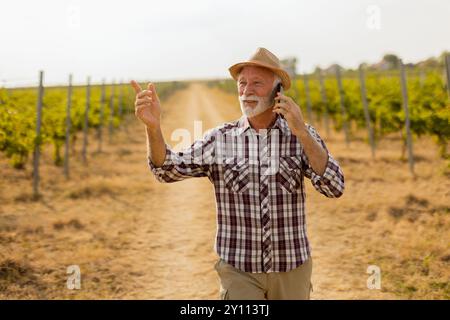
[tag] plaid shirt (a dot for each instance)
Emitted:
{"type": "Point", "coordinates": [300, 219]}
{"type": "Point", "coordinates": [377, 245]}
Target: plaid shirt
{"type": "Point", "coordinates": [259, 187]}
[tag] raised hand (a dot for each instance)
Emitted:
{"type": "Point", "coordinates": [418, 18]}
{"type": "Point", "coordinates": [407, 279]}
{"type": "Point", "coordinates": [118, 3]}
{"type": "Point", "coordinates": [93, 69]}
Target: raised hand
{"type": "Point", "coordinates": [147, 105]}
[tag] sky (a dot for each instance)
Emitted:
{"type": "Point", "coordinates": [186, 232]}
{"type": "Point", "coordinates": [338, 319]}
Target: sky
{"type": "Point", "coordinates": [196, 39]}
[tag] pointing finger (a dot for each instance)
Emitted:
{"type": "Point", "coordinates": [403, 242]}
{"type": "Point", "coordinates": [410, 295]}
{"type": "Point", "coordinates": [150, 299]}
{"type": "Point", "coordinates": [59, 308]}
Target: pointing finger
{"type": "Point", "coordinates": [137, 88]}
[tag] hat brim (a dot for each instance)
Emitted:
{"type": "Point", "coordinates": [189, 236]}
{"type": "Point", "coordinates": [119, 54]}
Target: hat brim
{"type": "Point", "coordinates": [284, 76]}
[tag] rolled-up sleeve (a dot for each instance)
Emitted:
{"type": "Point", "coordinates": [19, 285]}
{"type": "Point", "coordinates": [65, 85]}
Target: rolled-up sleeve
{"type": "Point", "coordinates": [193, 161]}
{"type": "Point", "coordinates": [331, 182]}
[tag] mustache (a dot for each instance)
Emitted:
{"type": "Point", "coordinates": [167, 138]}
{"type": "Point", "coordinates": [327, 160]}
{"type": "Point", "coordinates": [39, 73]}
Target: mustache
{"type": "Point", "coordinates": [249, 98]}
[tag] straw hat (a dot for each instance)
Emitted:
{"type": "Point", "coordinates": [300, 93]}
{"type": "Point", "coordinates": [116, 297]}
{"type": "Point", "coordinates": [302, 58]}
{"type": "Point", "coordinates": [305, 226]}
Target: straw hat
{"type": "Point", "coordinates": [266, 59]}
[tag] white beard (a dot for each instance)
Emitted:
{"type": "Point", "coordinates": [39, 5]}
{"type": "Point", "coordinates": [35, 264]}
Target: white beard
{"type": "Point", "coordinates": [264, 103]}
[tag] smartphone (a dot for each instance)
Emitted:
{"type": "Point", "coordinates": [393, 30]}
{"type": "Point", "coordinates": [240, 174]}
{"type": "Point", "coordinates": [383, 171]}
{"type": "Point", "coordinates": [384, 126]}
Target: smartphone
{"type": "Point", "coordinates": [278, 88]}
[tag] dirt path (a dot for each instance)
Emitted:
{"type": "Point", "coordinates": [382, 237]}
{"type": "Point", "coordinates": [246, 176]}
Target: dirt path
{"type": "Point", "coordinates": [134, 237]}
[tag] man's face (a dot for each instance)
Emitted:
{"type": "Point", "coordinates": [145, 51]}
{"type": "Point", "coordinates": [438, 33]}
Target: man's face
{"type": "Point", "coordinates": [255, 85]}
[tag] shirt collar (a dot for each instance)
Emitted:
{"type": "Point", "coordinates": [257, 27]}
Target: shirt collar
{"type": "Point", "coordinates": [280, 123]}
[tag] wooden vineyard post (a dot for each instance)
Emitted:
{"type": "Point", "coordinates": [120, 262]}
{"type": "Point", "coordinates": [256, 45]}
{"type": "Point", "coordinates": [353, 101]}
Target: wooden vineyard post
{"type": "Point", "coordinates": [325, 102]}
{"type": "Point", "coordinates": [86, 120]}
{"type": "Point", "coordinates": [38, 140]}
{"type": "Point", "coordinates": [127, 108]}
{"type": "Point", "coordinates": [68, 127]}
{"type": "Point", "coordinates": [407, 123]}
{"type": "Point", "coordinates": [120, 98]}
{"type": "Point", "coordinates": [308, 99]}
{"type": "Point", "coordinates": [342, 105]}
{"type": "Point", "coordinates": [447, 72]}
{"type": "Point", "coordinates": [362, 82]}
{"type": "Point", "coordinates": [102, 116]}
{"type": "Point", "coordinates": [111, 112]}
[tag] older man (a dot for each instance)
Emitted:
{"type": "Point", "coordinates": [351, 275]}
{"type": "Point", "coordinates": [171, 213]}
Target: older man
{"type": "Point", "coordinates": [257, 165]}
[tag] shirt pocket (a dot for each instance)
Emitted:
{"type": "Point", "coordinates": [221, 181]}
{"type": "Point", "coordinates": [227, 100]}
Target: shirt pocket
{"type": "Point", "coordinates": [289, 174]}
{"type": "Point", "coordinates": [236, 174]}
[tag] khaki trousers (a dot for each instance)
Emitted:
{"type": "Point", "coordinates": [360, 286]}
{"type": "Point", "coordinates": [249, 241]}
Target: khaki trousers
{"type": "Point", "coordinates": [239, 285]}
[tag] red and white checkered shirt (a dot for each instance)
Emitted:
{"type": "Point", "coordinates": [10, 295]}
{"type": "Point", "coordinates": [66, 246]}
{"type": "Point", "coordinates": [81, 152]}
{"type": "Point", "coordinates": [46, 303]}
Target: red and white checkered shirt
{"type": "Point", "coordinates": [259, 188]}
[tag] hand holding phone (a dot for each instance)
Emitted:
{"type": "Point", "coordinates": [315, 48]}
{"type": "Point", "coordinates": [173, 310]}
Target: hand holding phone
{"type": "Point", "coordinates": [278, 88]}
